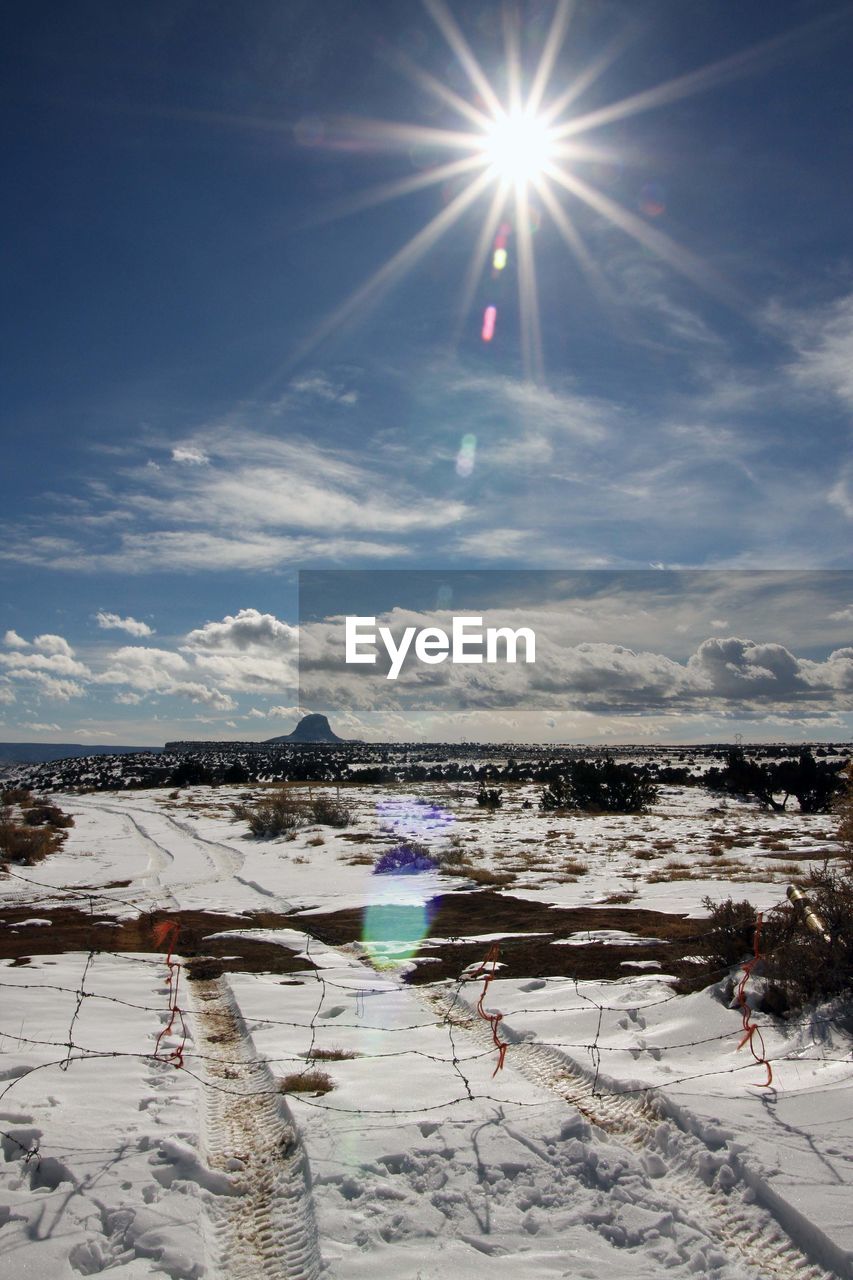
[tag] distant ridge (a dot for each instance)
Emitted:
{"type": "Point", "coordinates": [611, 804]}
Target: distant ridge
{"type": "Point", "coordinates": [44, 752]}
{"type": "Point", "coordinates": [313, 728]}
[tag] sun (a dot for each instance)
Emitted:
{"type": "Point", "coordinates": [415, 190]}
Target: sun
{"type": "Point", "coordinates": [521, 157]}
{"type": "Point", "coordinates": [518, 146]}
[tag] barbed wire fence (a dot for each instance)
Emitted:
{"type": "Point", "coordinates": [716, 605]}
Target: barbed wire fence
{"type": "Point", "coordinates": [184, 1058]}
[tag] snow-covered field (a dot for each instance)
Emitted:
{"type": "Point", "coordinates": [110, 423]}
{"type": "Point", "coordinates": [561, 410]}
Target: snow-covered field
{"type": "Point", "coordinates": [625, 1135]}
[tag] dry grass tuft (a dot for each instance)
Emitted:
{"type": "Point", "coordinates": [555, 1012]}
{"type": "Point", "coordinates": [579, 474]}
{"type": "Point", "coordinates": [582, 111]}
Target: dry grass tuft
{"type": "Point", "coordinates": [316, 1082]}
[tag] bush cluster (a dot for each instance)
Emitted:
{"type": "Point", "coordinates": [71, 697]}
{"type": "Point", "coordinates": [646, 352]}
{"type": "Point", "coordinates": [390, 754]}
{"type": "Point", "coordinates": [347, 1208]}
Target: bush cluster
{"type": "Point", "coordinates": [815, 784]}
{"type": "Point", "coordinates": [599, 786]}
{"type": "Point", "coordinates": [798, 966]}
{"type": "Point", "coordinates": [490, 797]}
{"type": "Point", "coordinates": [38, 831]}
{"type": "Point", "coordinates": [405, 859]}
{"type": "Point", "coordinates": [283, 811]}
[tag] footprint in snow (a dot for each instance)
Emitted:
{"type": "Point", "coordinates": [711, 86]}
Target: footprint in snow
{"type": "Point", "coordinates": [335, 1011]}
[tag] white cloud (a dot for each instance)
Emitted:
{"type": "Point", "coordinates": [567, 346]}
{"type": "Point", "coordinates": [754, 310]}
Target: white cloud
{"type": "Point", "coordinates": [249, 651]}
{"type": "Point", "coordinates": [246, 630]}
{"type": "Point", "coordinates": [187, 453]}
{"type": "Point", "coordinates": [143, 667]}
{"type": "Point", "coordinates": [841, 493]}
{"type": "Point", "coordinates": [37, 727]}
{"type": "Point", "coordinates": [112, 621]}
{"type": "Point", "coordinates": [14, 641]}
{"type": "Point", "coordinates": [53, 646]}
{"type": "Point", "coordinates": [319, 387]}
{"type": "Point", "coordinates": [7, 694]}
{"type": "Point", "coordinates": [49, 664]}
{"type": "Point", "coordinates": [163, 673]}
{"type": "Point", "coordinates": [180, 550]}
{"type": "Point", "coordinates": [202, 693]}
{"type": "Point", "coordinates": [538, 408]}
{"type": "Point", "coordinates": [823, 340]}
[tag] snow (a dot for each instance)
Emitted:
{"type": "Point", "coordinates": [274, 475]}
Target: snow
{"type": "Point", "coordinates": [424, 1160]}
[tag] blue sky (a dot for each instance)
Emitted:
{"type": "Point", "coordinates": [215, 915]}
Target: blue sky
{"type": "Point", "coordinates": [186, 426]}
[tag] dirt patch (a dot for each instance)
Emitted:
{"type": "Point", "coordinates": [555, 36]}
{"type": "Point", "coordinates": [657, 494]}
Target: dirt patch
{"type": "Point", "coordinates": [671, 937]}
{"type": "Point", "coordinates": [72, 929]}
{"type": "Point", "coordinates": [455, 915]}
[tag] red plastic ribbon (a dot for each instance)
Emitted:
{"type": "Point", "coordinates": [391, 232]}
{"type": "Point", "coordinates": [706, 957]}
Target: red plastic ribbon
{"type": "Point", "coordinates": [751, 1029]}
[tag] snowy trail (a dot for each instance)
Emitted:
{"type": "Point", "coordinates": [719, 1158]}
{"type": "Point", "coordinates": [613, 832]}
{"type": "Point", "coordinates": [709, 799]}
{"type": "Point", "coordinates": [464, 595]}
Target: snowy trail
{"type": "Point", "coordinates": [180, 859]}
{"type": "Point", "coordinates": [264, 1229]}
{"type": "Point", "coordinates": [707, 1187]}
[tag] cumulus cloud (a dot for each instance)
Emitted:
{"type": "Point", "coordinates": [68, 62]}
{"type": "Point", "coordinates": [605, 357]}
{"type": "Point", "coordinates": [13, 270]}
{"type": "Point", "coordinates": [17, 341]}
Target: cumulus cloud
{"type": "Point", "coordinates": [248, 651]}
{"type": "Point", "coordinates": [246, 630]}
{"type": "Point", "coordinates": [13, 641]}
{"type": "Point", "coordinates": [37, 727]}
{"type": "Point", "coordinates": [53, 646]}
{"type": "Point", "coordinates": [161, 672]}
{"type": "Point", "coordinates": [112, 621]}
{"type": "Point", "coordinates": [49, 665]}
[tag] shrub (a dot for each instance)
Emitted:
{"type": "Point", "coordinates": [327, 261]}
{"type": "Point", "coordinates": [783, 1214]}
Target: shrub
{"type": "Point", "coordinates": [798, 965]}
{"type": "Point", "coordinates": [25, 845]}
{"type": "Point", "coordinates": [844, 808]}
{"type": "Point", "coordinates": [46, 815]}
{"type": "Point", "coordinates": [16, 795]}
{"type": "Point", "coordinates": [276, 815]}
{"type": "Point", "coordinates": [731, 931]}
{"type": "Point", "coordinates": [405, 859]}
{"type": "Point", "coordinates": [489, 797]}
{"type": "Point", "coordinates": [599, 786]}
{"type": "Point", "coordinates": [235, 774]}
{"type": "Point", "coordinates": [802, 967]}
{"type": "Point", "coordinates": [328, 812]}
{"type": "Point", "coordinates": [190, 773]}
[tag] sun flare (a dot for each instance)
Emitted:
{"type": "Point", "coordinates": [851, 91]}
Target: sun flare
{"type": "Point", "coordinates": [518, 147]}
{"type": "Point", "coordinates": [524, 156]}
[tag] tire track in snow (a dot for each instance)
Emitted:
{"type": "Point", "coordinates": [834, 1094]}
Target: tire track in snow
{"type": "Point", "coordinates": [266, 1229]}
{"type": "Point", "coordinates": [707, 1187]}
{"type": "Point", "coordinates": [162, 857]}
{"type": "Point", "coordinates": [159, 856]}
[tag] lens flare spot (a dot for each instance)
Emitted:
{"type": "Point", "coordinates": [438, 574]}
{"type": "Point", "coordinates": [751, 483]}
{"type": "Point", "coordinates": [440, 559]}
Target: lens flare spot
{"type": "Point", "coordinates": [499, 259]}
{"type": "Point", "coordinates": [412, 817]}
{"type": "Point", "coordinates": [466, 456]}
{"type": "Point", "coordinates": [392, 932]}
{"type": "Point", "coordinates": [652, 200]}
{"type": "Point", "coordinates": [490, 316]}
